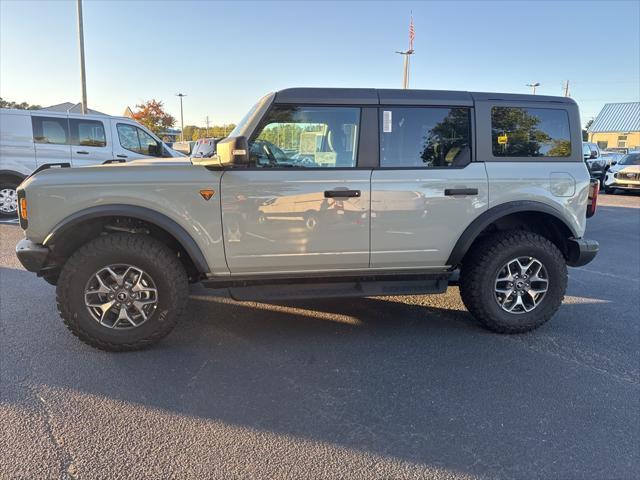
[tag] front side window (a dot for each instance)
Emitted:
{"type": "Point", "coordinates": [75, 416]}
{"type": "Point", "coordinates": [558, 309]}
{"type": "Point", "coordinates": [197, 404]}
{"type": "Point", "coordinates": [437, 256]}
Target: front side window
{"type": "Point", "coordinates": [87, 133]}
{"type": "Point", "coordinates": [148, 144]}
{"type": "Point", "coordinates": [137, 140]}
{"type": "Point", "coordinates": [530, 132]}
{"type": "Point", "coordinates": [425, 137]}
{"type": "Point", "coordinates": [306, 137]}
{"type": "Point", "coordinates": [50, 130]}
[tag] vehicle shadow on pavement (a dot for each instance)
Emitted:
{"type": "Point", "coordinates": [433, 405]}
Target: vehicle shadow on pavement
{"type": "Point", "coordinates": [419, 382]}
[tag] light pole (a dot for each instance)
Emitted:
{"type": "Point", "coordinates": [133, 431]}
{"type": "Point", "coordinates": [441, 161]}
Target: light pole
{"type": "Point", "coordinates": [533, 87]}
{"type": "Point", "coordinates": [181, 95]}
{"type": "Point", "coordinates": [83, 78]}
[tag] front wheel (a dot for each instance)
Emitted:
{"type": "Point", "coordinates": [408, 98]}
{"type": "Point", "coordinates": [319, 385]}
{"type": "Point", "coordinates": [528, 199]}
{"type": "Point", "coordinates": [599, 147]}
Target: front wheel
{"type": "Point", "coordinates": [514, 281]}
{"type": "Point", "coordinates": [122, 292]}
{"type": "Point", "coordinates": [8, 199]}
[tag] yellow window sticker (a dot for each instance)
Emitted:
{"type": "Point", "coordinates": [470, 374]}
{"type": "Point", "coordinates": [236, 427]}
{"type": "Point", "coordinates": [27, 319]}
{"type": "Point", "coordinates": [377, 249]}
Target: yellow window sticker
{"type": "Point", "coordinates": [502, 139]}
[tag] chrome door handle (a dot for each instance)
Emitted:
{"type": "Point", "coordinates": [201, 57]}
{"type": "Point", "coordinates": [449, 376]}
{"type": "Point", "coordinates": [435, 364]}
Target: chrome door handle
{"type": "Point", "coordinates": [342, 193]}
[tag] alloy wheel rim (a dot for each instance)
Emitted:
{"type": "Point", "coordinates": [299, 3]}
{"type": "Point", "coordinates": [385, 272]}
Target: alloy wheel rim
{"type": "Point", "coordinates": [121, 296]}
{"type": "Point", "coordinates": [521, 285]}
{"type": "Point", "coordinates": [8, 200]}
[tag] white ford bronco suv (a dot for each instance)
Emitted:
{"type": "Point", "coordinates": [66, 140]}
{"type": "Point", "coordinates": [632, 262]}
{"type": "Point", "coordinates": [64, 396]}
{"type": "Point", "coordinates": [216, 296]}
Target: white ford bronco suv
{"type": "Point", "coordinates": [322, 193]}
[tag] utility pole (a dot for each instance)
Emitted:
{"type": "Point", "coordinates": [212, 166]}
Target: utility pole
{"type": "Point", "coordinates": [207, 120]}
{"type": "Point", "coordinates": [566, 88]}
{"type": "Point", "coordinates": [83, 78]}
{"type": "Point", "coordinates": [181, 95]}
{"type": "Point", "coordinates": [533, 87]}
{"type": "Point", "coordinates": [406, 53]}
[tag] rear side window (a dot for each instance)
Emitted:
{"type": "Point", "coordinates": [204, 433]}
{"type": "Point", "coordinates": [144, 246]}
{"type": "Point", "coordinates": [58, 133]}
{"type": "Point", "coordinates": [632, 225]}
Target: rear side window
{"type": "Point", "coordinates": [530, 132]}
{"type": "Point", "coordinates": [425, 137]}
{"type": "Point", "coordinates": [87, 133]}
{"type": "Point", "coordinates": [50, 130]}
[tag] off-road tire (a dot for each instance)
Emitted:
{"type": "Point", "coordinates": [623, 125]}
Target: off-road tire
{"type": "Point", "coordinates": [141, 251]}
{"type": "Point", "coordinates": [480, 269]}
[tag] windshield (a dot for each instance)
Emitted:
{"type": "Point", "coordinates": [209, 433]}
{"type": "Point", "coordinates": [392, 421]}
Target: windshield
{"type": "Point", "coordinates": [246, 120]}
{"type": "Point", "coordinates": [630, 159]}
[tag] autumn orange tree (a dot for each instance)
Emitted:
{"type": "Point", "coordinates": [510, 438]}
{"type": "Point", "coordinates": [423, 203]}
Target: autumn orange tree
{"type": "Point", "coordinates": [151, 114]}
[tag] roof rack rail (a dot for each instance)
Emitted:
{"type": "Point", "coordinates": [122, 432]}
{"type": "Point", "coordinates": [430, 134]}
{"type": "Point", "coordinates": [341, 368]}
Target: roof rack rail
{"type": "Point", "coordinates": [47, 166]}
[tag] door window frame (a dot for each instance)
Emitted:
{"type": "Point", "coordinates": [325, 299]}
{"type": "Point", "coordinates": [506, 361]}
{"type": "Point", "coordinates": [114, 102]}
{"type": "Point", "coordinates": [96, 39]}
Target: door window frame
{"type": "Point", "coordinates": [367, 136]}
{"type": "Point", "coordinates": [36, 126]}
{"type": "Point", "coordinates": [74, 136]}
{"type": "Point", "coordinates": [137, 136]}
{"type": "Point", "coordinates": [484, 140]}
{"type": "Point", "coordinates": [472, 136]}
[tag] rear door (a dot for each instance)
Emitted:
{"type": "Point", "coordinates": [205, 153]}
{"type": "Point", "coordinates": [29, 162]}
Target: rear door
{"type": "Point", "coordinates": [427, 189]}
{"type": "Point", "coordinates": [51, 138]}
{"type": "Point", "coordinates": [89, 141]}
{"type": "Point", "coordinates": [303, 204]}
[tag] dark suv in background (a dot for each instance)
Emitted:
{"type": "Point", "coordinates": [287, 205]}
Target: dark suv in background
{"type": "Point", "coordinates": [596, 164]}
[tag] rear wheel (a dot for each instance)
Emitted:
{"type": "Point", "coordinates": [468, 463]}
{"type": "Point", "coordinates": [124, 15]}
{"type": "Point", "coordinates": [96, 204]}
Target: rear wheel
{"type": "Point", "coordinates": [514, 281]}
{"type": "Point", "coordinates": [122, 292]}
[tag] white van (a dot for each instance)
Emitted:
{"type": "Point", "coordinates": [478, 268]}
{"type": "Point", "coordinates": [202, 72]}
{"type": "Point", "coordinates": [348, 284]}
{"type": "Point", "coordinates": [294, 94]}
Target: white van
{"type": "Point", "coordinates": [32, 138]}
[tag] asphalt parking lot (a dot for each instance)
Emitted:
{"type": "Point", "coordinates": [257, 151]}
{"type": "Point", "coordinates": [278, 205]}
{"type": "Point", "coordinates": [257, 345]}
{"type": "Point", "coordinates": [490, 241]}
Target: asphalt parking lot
{"type": "Point", "coordinates": [402, 387]}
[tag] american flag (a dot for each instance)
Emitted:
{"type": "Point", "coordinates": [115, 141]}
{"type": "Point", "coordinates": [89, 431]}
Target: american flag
{"type": "Point", "coordinates": [412, 33]}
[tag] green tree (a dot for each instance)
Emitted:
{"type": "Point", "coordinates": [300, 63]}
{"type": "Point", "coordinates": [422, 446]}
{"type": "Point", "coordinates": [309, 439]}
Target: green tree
{"type": "Point", "coordinates": [585, 130]}
{"type": "Point", "coordinates": [151, 114]}
{"type": "Point", "coordinates": [20, 106]}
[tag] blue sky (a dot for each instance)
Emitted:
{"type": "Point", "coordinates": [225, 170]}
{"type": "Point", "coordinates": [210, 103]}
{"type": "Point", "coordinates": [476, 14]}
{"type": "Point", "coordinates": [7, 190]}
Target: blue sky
{"type": "Point", "coordinates": [225, 55]}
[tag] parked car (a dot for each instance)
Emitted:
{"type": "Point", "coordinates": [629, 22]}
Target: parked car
{"type": "Point", "coordinates": [205, 147]}
{"type": "Point", "coordinates": [400, 189]}
{"type": "Point", "coordinates": [32, 138]}
{"type": "Point", "coordinates": [610, 157]}
{"type": "Point", "coordinates": [184, 147]}
{"type": "Point", "coordinates": [624, 175]}
{"type": "Point", "coordinates": [595, 163]}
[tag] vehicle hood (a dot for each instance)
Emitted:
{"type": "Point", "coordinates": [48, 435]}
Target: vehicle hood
{"type": "Point", "coordinates": [626, 168]}
{"type": "Point", "coordinates": [157, 161]}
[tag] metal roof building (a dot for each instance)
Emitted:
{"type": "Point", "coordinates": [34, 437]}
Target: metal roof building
{"type": "Point", "coordinates": [617, 126]}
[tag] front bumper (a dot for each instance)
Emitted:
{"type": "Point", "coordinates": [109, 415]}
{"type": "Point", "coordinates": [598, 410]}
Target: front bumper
{"type": "Point", "coordinates": [32, 256]}
{"type": "Point", "coordinates": [581, 251]}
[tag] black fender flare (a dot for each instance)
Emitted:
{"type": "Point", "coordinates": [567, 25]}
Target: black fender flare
{"type": "Point", "coordinates": [141, 213]}
{"type": "Point", "coordinates": [12, 173]}
{"type": "Point", "coordinates": [495, 213]}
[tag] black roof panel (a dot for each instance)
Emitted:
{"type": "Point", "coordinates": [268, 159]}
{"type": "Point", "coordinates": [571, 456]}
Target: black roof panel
{"type": "Point", "coordinates": [331, 96]}
{"type": "Point", "coordinates": [424, 97]}
{"type": "Point", "coordinates": [372, 96]}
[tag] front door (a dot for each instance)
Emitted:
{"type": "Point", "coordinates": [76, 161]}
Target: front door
{"type": "Point", "coordinates": [427, 190]}
{"type": "Point", "coordinates": [302, 204]}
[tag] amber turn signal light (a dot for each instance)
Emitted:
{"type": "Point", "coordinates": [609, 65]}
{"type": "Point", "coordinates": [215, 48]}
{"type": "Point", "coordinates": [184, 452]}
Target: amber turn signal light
{"type": "Point", "coordinates": [23, 208]}
{"type": "Point", "coordinates": [207, 194]}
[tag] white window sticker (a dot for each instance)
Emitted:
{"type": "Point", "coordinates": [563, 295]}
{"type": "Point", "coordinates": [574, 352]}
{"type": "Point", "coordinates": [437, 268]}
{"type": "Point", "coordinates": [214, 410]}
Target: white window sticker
{"type": "Point", "coordinates": [386, 121]}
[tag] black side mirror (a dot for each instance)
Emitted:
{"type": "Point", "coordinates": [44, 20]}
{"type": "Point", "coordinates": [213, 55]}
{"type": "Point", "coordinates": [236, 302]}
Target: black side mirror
{"type": "Point", "coordinates": [233, 151]}
{"type": "Point", "coordinates": [614, 162]}
{"type": "Point", "coordinates": [155, 150]}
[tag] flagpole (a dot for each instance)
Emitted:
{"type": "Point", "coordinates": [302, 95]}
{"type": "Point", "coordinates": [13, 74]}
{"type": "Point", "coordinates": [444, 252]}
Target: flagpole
{"type": "Point", "coordinates": [407, 60]}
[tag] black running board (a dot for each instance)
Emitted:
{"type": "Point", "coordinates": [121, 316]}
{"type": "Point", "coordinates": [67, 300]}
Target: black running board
{"type": "Point", "coordinates": [340, 289]}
